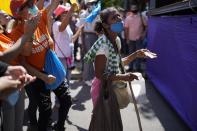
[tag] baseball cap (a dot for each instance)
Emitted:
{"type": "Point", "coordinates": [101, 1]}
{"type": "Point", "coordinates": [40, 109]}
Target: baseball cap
{"type": "Point", "coordinates": [60, 9]}
{"type": "Point", "coordinates": [15, 6]}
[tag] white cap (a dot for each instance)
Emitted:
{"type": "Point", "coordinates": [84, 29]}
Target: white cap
{"type": "Point", "coordinates": [89, 1]}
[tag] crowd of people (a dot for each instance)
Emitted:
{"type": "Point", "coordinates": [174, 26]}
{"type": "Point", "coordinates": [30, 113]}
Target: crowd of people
{"type": "Point", "coordinates": [37, 26]}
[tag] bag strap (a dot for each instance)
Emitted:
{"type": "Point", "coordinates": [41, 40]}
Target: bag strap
{"type": "Point", "coordinates": [131, 89]}
{"type": "Point", "coordinates": [60, 49]}
{"type": "Point", "coordinates": [142, 20]}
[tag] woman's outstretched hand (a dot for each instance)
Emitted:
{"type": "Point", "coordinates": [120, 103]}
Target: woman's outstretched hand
{"type": "Point", "coordinates": [145, 53]}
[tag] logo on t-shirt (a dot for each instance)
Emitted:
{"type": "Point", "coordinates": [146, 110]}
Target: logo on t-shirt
{"type": "Point", "coordinates": [40, 44]}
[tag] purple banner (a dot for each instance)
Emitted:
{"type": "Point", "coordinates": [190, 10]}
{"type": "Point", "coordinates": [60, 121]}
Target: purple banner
{"type": "Point", "coordinates": [174, 72]}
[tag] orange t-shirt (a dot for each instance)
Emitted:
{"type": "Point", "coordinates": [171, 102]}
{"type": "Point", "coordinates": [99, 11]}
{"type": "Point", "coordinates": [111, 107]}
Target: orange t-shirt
{"type": "Point", "coordinates": [5, 44]}
{"type": "Point", "coordinates": [42, 40]}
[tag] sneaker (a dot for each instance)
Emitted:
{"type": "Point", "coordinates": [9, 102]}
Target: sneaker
{"type": "Point", "coordinates": [72, 67]}
{"type": "Point", "coordinates": [88, 83]}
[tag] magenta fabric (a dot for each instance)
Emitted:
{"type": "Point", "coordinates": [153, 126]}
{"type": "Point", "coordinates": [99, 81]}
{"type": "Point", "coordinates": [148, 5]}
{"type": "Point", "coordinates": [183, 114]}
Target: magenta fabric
{"type": "Point", "coordinates": [174, 72]}
{"type": "Point", "coordinates": [95, 89]}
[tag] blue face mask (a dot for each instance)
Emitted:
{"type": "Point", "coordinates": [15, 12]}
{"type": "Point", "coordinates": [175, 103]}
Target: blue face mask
{"type": "Point", "coordinates": [117, 27]}
{"type": "Point", "coordinates": [33, 11]}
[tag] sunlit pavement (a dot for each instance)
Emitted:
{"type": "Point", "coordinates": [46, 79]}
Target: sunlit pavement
{"type": "Point", "coordinates": [156, 114]}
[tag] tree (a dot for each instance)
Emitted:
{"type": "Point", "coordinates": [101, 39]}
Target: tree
{"type": "Point", "coordinates": [114, 3]}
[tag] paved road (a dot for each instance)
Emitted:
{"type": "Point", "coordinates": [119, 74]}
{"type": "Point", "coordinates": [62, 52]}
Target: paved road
{"type": "Point", "coordinates": [156, 114]}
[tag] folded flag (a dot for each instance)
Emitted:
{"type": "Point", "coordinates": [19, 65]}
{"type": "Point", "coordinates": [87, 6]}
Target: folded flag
{"type": "Point", "coordinates": [94, 13]}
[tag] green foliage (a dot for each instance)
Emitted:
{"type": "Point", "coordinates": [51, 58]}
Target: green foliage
{"type": "Point", "coordinates": [110, 3]}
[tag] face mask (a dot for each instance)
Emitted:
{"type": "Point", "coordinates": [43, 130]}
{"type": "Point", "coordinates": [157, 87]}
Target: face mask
{"type": "Point", "coordinates": [33, 11]}
{"type": "Point", "coordinates": [117, 27]}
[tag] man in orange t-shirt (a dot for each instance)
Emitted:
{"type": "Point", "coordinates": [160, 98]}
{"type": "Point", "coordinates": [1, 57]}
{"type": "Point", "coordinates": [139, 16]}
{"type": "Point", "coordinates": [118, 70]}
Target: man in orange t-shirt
{"type": "Point", "coordinates": [9, 52]}
{"type": "Point", "coordinates": [38, 95]}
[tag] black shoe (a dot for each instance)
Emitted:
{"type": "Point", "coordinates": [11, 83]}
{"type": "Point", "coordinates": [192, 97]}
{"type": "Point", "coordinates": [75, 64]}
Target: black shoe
{"type": "Point", "coordinates": [56, 127]}
{"type": "Point", "coordinates": [32, 128]}
{"type": "Point", "coordinates": [72, 67]}
{"type": "Point", "coordinates": [50, 123]}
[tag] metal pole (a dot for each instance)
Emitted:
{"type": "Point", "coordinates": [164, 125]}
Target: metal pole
{"type": "Point", "coordinates": [136, 109]}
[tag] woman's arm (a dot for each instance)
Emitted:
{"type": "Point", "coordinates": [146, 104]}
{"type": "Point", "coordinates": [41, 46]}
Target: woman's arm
{"type": "Point", "coordinates": [100, 64]}
{"type": "Point", "coordinates": [66, 19]}
{"type": "Point", "coordinates": [77, 34]}
{"type": "Point", "coordinates": [142, 53]}
{"type": "Point", "coordinates": [128, 59]}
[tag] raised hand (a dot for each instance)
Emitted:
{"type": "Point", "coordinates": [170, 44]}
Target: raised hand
{"type": "Point", "coordinates": [31, 24]}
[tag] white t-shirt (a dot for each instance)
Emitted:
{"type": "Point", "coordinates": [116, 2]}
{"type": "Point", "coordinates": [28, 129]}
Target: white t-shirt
{"type": "Point", "coordinates": [104, 49]}
{"type": "Point", "coordinates": [63, 40]}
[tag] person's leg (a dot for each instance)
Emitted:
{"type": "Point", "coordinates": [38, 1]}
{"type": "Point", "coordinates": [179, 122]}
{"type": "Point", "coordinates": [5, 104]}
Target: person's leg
{"type": "Point", "coordinates": [1, 117]}
{"type": "Point", "coordinates": [76, 45]}
{"type": "Point", "coordinates": [72, 56]}
{"type": "Point", "coordinates": [88, 69]}
{"type": "Point", "coordinates": [138, 62]}
{"type": "Point", "coordinates": [19, 112]}
{"type": "Point", "coordinates": [32, 94]}
{"type": "Point", "coordinates": [62, 92]}
{"type": "Point", "coordinates": [68, 72]}
{"type": "Point", "coordinates": [44, 105]}
{"type": "Point", "coordinates": [8, 116]}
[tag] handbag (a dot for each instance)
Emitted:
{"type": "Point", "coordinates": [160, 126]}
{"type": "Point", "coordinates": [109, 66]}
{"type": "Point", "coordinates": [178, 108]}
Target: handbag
{"type": "Point", "coordinates": [122, 95]}
{"type": "Point", "coordinates": [54, 67]}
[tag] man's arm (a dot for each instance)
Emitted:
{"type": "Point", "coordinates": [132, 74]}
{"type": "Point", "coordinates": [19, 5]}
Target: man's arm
{"type": "Point", "coordinates": [16, 49]}
{"type": "Point", "coordinates": [40, 4]}
{"type": "Point", "coordinates": [50, 9]}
